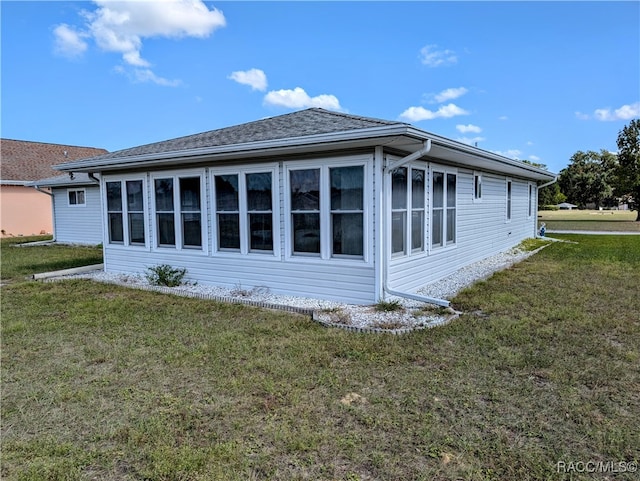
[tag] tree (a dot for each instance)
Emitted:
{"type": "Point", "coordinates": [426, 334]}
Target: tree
{"type": "Point", "coordinates": [550, 195]}
{"type": "Point", "coordinates": [589, 178]}
{"type": "Point", "coordinates": [628, 171]}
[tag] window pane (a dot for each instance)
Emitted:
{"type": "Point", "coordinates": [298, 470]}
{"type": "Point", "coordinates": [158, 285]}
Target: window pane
{"type": "Point", "coordinates": [259, 191]}
{"type": "Point", "coordinates": [508, 200]}
{"type": "Point", "coordinates": [166, 230]}
{"type": "Point", "coordinates": [134, 195]}
{"type": "Point", "coordinates": [305, 189]}
{"type": "Point", "coordinates": [306, 233]}
{"type": "Point", "coordinates": [136, 228]}
{"type": "Point", "coordinates": [229, 231]}
{"type": "Point", "coordinates": [72, 197]}
{"type": "Point", "coordinates": [436, 228]}
{"type": "Point", "coordinates": [417, 230]}
{"type": "Point", "coordinates": [191, 230]}
{"type": "Point", "coordinates": [417, 189]}
{"type": "Point", "coordinates": [347, 234]}
{"type": "Point", "coordinates": [438, 189]}
{"type": "Point", "coordinates": [261, 232]}
{"type": "Point", "coordinates": [227, 193]}
{"type": "Point", "coordinates": [477, 186]}
{"type": "Point", "coordinates": [399, 188]}
{"type": "Point", "coordinates": [190, 194]}
{"type": "Point", "coordinates": [80, 197]}
{"type": "Point", "coordinates": [164, 195]}
{"type": "Point", "coordinates": [347, 187]}
{"type": "Point", "coordinates": [116, 233]}
{"type": "Point", "coordinates": [397, 231]}
{"type": "Point", "coordinates": [114, 196]}
{"type": "Point", "coordinates": [451, 226]}
{"type": "Point", "coordinates": [451, 190]}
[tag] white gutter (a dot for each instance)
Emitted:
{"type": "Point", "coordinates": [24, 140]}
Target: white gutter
{"type": "Point", "coordinates": [385, 265]}
{"type": "Point", "coordinates": [555, 179]}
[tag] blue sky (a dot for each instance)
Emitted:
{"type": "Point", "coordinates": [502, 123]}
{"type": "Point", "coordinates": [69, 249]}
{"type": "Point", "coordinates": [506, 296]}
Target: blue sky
{"type": "Point", "coordinates": [531, 80]}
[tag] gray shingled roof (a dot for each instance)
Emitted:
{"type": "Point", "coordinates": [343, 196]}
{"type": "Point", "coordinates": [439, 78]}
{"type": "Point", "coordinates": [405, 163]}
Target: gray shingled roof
{"type": "Point", "coordinates": [303, 123]}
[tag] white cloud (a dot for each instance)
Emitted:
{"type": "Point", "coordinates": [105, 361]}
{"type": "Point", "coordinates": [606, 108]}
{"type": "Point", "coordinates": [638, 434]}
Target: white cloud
{"type": "Point", "coordinates": [503, 117]}
{"type": "Point", "coordinates": [68, 41]}
{"type": "Point", "coordinates": [512, 153]}
{"type": "Point", "coordinates": [255, 78]}
{"type": "Point", "coordinates": [468, 128]}
{"type": "Point", "coordinates": [298, 98]}
{"type": "Point", "coordinates": [471, 141]}
{"type": "Point", "coordinates": [415, 114]}
{"type": "Point", "coordinates": [626, 112]}
{"type": "Point", "coordinates": [432, 56]}
{"type": "Point", "coordinates": [146, 75]}
{"type": "Point", "coordinates": [121, 27]}
{"type": "Point", "coordinates": [449, 94]}
{"type": "Point", "coordinates": [534, 158]}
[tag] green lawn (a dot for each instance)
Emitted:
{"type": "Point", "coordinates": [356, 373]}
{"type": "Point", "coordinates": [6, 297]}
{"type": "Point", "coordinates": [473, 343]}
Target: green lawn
{"type": "Point", "coordinates": [543, 367]}
{"type": "Point", "coordinates": [590, 220]}
{"type": "Point", "coordinates": [20, 262]}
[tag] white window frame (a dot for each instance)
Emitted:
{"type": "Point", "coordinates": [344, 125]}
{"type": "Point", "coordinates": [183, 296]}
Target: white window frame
{"type": "Point", "coordinates": [179, 246]}
{"type": "Point", "coordinates": [477, 192]}
{"type": "Point", "coordinates": [245, 243]}
{"type": "Point", "coordinates": [326, 239]}
{"type": "Point", "coordinates": [123, 179]}
{"type": "Point", "coordinates": [77, 204]}
{"type": "Point", "coordinates": [446, 171]}
{"type": "Point", "coordinates": [508, 197]}
{"type": "Point", "coordinates": [408, 210]}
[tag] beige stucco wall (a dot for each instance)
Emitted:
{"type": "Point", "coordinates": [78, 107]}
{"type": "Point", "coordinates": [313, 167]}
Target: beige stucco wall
{"type": "Point", "coordinates": [24, 211]}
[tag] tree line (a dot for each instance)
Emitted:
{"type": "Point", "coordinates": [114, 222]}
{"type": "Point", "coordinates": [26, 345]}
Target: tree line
{"type": "Point", "coordinates": [600, 179]}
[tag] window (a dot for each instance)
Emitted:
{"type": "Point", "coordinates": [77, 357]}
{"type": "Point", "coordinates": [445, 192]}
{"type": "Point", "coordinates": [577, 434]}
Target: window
{"type": "Point", "coordinates": [443, 210]}
{"type": "Point", "coordinates": [326, 211]}
{"type": "Point", "coordinates": [244, 211]}
{"type": "Point", "coordinates": [531, 199]}
{"type": "Point", "coordinates": [135, 211]}
{"type": "Point", "coordinates": [178, 211]}
{"type": "Point", "coordinates": [407, 196]}
{"type": "Point", "coordinates": [76, 197]}
{"type": "Point", "coordinates": [508, 200]}
{"type": "Point", "coordinates": [347, 210]}
{"type": "Point", "coordinates": [305, 211]}
{"type": "Point", "coordinates": [477, 187]}
{"type": "Point", "coordinates": [398, 210]}
{"type": "Point", "coordinates": [126, 212]}
{"type": "Point", "coordinates": [114, 212]}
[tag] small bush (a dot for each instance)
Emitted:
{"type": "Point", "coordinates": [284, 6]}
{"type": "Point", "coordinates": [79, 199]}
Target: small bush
{"type": "Point", "coordinates": [165, 275]}
{"type": "Point", "coordinates": [388, 306]}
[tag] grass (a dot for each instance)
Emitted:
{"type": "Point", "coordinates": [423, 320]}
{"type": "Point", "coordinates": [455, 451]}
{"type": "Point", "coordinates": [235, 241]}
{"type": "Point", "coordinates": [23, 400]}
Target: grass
{"type": "Point", "coordinates": [591, 220]}
{"type": "Point", "coordinates": [20, 262]}
{"type": "Point", "coordinates": [103, 382]}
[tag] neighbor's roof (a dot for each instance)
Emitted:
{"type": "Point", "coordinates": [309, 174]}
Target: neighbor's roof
{"type": "Point", "coordinates": [65, 180]}
{"type": "Point", "coordinates": [304, 132]}
{"type": "Point", "coordinates": [24, 161]}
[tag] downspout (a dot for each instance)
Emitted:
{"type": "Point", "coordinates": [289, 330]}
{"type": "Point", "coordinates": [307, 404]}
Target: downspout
{"type": "Point", "coordinates": [53, 210]}
{"type": "Point", "coordinates": [537, 233]}
{"type": "Point", "coordinates": [555, 179]}
{"type": "Point", "coordinates": [387, 168]}
{"type": "Point", "coordinates": [93, 177]}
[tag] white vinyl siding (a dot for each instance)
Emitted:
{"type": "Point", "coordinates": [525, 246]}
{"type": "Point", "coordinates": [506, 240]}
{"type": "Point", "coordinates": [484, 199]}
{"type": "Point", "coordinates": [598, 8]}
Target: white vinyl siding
{"type": "Point", "coordinates": [481, 231]}
{"type": "Point", "coordinates": [78, 226]}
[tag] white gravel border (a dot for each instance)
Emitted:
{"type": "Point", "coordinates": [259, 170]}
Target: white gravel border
{"type": "Point", "coordinates": [410, 314]}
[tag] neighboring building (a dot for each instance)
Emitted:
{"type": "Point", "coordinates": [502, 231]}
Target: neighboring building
{"type": "Point", "coordinates": [23, 209]}
{"type": "Point", "coordinates": [566, 206]}
{"type": "Point", "coordinates": [77, 212]}
{"type": "Point", "coordinates": [313, 203]}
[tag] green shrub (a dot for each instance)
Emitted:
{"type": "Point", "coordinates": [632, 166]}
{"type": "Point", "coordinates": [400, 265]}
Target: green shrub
{"type": "Point", "coordinates": [388, 306]}
{"type": "Point", "coordinates": [165, 275]}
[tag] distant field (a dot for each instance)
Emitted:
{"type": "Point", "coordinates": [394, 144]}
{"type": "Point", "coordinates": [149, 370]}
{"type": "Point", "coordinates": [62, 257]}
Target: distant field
{"type": "Point", "coordinates": [605, 220]}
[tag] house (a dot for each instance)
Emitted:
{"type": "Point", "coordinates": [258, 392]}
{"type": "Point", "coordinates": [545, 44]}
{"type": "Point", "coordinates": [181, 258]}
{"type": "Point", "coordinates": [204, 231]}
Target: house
{"type": "Point", "coordinates": [25, 210]}
{"type": "Point", "coordinates": [312, 203]}
{"type": "Point", "coordinates": [566, 206]}
{"type": "Point", "coordinates": [77, 212]}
